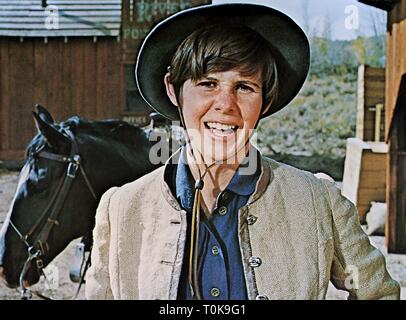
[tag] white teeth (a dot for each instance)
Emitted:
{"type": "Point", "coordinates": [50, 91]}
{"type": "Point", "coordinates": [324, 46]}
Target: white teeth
{"type": "Point", "coordinates": [220, 126]}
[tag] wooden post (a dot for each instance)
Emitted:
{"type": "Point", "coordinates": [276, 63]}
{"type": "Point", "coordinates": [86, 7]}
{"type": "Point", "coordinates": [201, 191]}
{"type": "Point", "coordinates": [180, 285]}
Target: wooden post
{"type": "Point", "coordinates": [378, 112]}
{"type": "Point", "coordinates": [395, 111]}
{"type": "Point", "coordinates": [370, 93]}
{"type": "Point", "coordinates": [396, 176]}
{"type": "Point", "coordinates": [360, 102]}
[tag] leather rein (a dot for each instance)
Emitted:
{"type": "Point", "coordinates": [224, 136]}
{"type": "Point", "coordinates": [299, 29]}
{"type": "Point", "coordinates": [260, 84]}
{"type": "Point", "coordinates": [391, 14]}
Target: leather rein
{"type": "Point", "coordinates": [39, 247]}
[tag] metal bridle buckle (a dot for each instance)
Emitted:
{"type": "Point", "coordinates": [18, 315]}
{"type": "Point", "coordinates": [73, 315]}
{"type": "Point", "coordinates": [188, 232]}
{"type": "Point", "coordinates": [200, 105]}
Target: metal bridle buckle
{"type": "Point", "coordinates": [73, 166]}
{"type": "Point", "coordinates": [40, 264]}
{"type": "Point", "coordinates": [32, 252]}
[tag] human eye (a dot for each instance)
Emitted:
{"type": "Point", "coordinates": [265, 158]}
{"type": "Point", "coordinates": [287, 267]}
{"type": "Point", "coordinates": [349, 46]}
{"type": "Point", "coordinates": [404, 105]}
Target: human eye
{"type": "Point", "coordinates": [245, 88]}
{"type": "Point", "coordinates": [207, 84]}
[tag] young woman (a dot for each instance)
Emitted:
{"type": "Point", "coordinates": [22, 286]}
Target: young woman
{"type": "Point", "coordinates": [220, 221]}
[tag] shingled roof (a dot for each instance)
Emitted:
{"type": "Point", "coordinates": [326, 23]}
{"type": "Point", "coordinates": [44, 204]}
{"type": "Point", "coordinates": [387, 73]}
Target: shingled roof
{"type": "Point", "coordinates": [76, 18]}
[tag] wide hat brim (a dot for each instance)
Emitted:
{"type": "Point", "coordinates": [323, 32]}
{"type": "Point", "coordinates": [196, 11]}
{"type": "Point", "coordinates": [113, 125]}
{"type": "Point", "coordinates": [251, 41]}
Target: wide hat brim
{"type": "Point", "coordinates": [289, 44]}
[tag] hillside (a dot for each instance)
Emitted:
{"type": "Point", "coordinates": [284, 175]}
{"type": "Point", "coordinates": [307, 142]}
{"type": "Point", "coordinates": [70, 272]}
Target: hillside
{"type": "Point", "coordinates": [317, 122]}
{"type": "Point", "coordinates": [311, 131]}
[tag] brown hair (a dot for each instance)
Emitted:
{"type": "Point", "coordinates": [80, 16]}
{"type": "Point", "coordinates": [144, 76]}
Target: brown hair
{"type": "Point", "coordinates": [219, 48]}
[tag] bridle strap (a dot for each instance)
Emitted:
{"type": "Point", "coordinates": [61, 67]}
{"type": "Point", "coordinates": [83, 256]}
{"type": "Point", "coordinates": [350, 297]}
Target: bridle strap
{"type": "Point", "coordinates": [82, 277]}
{"type": "Point", "coordinates": [19, 234]}
{"type": "Point", "coordinates": [54, 156]}
{"type": "Point", "coordinates": [52, 220]}
{"type": "Point", "coordinates": [89, 185]}
{"type": "Point", "coordinates": [76, 149]}
{"type": "Point", "coordinates": [56, 204]}
{"type": "Point", "coordinates": [62, 191]}
{"type": "Point", "coordinates": [44, 213]}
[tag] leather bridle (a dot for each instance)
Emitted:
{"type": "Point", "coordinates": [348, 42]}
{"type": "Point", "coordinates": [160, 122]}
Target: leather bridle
{"type": "Point", "coordinates": [39, 247]}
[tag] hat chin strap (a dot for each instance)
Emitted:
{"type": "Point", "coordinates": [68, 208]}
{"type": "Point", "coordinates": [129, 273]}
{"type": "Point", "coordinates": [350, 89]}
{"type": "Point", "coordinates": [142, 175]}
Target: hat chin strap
{"type": "Point", "coordinates": [195, 227]}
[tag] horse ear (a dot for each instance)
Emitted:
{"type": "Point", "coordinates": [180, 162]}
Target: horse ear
{"type": "Point", "coordinates": [44, 114]}
{"type": "Point", "coordinates": [50, 133]}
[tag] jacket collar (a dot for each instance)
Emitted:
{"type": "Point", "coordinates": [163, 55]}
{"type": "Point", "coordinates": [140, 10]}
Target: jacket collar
{"type": "Point", "coordinates": [264, 180]}
{"type": "Point", "coordinates": [242, 183]}
{"type": "Point", "coordinates": [261, 185]}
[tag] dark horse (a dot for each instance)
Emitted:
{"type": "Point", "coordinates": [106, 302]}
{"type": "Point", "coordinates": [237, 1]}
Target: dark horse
{"type": "Point", "coordinates": [68, 167]}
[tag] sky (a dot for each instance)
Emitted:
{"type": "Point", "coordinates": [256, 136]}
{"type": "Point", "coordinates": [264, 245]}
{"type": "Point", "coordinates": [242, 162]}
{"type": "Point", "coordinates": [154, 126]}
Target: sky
{"type": "Point", "coordinates": [347, 19]}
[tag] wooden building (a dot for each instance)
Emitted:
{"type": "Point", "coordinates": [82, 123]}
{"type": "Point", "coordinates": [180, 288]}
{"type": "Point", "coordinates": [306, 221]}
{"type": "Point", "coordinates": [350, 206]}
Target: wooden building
{"type": "Point", "coordinates": [74, 57]}
{"type": "Point", "coordinates": [395, 121]}
{"type": "Point", "coordinates": [370, 104]}
{"type": "Point", "coordinates": [364, 178]}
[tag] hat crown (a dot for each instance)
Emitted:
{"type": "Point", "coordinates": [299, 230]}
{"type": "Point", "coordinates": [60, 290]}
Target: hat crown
{"type": "Point", "coordinates": [288, 41]}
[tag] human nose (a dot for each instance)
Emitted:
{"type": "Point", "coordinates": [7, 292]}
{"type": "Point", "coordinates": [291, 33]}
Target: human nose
{"type": "Point", "coordinates": [226, 100]}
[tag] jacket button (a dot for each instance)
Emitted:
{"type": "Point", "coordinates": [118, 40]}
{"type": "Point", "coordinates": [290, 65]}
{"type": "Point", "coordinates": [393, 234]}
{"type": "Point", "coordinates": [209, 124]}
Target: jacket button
{"type": "Point", "coordinates": [215, 250]}
{"type": "Point", "coordinates": [251, 219]}
{"type": "Point", "coordinates": [223, 211]}
{"type": "Point", "coordinates": [254, 262]}
{"type": "Point", "coordinates": [261, 297]}
{"type": "Point", "coordinates": [215, 292]}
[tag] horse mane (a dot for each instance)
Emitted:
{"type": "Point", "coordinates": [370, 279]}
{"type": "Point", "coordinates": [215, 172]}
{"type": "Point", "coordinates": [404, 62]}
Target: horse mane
{"type": "Point", "coordinates": [111, 128]}
{"type": "Point", "coordinates": [107, 129]}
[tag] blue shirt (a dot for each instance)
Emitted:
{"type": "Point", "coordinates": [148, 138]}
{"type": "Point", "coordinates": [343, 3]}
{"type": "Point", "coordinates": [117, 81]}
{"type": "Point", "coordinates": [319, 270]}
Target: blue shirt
{"type": "Point", "coordinates": [220, 269]}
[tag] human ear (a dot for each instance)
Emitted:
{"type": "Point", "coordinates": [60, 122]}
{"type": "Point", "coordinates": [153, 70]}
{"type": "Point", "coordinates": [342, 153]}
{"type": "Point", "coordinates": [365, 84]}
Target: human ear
{"type": "Point", "coordinates": [170, 89]}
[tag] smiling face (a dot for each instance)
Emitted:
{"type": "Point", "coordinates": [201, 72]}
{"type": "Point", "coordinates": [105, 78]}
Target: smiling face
{"type": "Point", "coordinates": [223, 77]}
{"type": "Point", "coordinates": [220, 111]}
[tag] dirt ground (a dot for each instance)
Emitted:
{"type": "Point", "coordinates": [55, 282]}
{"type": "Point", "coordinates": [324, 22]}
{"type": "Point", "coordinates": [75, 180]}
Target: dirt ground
{"type": "Point", "coordinates": [63, 288]}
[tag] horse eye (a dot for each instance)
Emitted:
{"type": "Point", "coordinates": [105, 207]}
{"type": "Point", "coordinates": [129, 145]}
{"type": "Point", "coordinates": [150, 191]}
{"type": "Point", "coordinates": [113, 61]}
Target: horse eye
{"type": "Point", "coordinates": [37, 182]}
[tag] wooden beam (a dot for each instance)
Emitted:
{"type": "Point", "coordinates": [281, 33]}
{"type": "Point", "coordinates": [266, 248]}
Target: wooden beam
{"type": "Point", "coordinates": [396, 176]}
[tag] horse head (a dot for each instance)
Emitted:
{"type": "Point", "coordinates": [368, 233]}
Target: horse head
{"type": "Point", "coordinates": [68, 166]}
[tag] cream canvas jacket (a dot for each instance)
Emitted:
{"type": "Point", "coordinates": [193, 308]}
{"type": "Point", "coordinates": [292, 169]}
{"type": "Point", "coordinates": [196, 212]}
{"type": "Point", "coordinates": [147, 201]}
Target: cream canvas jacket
{"type": "Point", "coordinates": [301, 228]}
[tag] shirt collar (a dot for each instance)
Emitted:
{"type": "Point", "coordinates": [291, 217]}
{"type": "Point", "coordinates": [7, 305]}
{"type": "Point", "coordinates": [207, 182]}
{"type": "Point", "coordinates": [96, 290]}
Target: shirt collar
{"type": "Point", "coordinates": [184, 182]}
{"type": "Point", "coordinates": [242, 183]}
{"type": "Point", "coordinates": [246, 176]}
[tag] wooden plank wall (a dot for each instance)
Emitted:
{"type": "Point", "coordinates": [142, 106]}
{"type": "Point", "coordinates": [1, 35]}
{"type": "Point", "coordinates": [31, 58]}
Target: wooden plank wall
{"type": "Point", "coordinates": [395, 57]}
{"type": "Point", "coordinates": [396, 191]}
{"type": "Point", "coordinates": [371, 91]}
{"type": "Point", "coordinates": [396, 177]}
{"type": "Point", "coordinates": [78, 77]}
{"type": "Point", "coordinates": [138, 17]}
{"type": "Point", "coordinates": [364, 178]}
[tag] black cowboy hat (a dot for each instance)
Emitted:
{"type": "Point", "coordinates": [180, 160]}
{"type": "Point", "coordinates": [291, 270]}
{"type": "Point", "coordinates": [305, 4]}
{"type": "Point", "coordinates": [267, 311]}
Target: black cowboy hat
{"type": "Point", "coordinates": [290, 48]}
